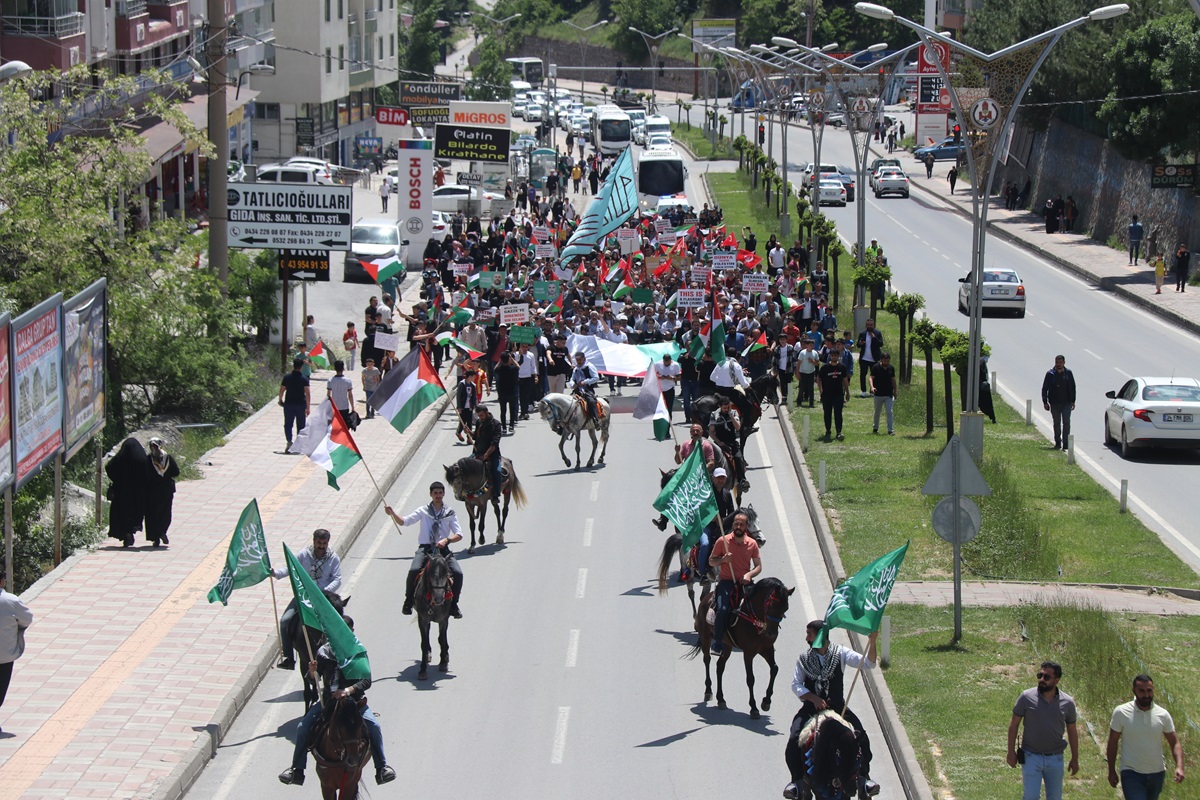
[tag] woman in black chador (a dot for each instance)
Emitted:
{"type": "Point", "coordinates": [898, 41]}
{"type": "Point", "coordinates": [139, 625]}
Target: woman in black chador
{"type": "Point", "coordinates": [127, 492]}
{"type": "Point", "coordinates": [160, 492]}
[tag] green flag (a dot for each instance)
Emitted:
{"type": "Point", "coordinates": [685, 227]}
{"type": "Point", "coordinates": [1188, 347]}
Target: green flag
{"type": "Point", "coordinates": [247, 562]}
{"type": "Point", "coordinates": [858, 603]}
{"type": "Point", "coordinates": [316, 612]}
{"type": "Point", "coordinates": [688, 500]}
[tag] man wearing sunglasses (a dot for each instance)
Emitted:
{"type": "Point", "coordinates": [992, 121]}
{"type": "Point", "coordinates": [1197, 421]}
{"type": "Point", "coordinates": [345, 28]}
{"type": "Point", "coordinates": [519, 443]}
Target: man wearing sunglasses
{"type": "Point", "coordinates": [1048, 714]}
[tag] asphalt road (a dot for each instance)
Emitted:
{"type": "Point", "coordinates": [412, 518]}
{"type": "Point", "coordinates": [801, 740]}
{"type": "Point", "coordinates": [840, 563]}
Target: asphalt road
{"type": "Point", "coordinates": [568, 675]}
{"type": "Point", "coordinates": [1105, 340]}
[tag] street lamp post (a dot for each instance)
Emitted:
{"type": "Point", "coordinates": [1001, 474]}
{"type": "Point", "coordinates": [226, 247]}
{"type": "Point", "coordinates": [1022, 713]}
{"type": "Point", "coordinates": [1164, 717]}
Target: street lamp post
{"type": "Point", "coordinates": [652, 42]}
{"type": "Point", "coordinates": [988, 117]}
{"type": "Point", "coordinates": [580, 30]}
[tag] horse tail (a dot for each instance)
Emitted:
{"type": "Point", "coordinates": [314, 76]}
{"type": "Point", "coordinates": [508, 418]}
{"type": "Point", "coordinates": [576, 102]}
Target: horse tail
{"type": "Point", "coordinates": [670, 549]}
{"type": "Point", "coordinates": [517, 491]}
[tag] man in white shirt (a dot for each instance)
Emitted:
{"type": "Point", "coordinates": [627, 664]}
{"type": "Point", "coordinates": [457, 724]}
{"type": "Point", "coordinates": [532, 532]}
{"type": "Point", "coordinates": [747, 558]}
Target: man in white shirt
{"type": "Point", "coordinates": [777, 258]}
{"type": "Point", "coordinates": [440, 529]}
{"type": "Point", "coordinates": [341, 392]}
{"type": "Point", "coordinates": [668, 373]}
{"type": "Point", "coordinates": [808, 361]}
{"type": "Point", "coordinates": [1137, 730]}
{"type": "Point", "coordinates": [527, 374]}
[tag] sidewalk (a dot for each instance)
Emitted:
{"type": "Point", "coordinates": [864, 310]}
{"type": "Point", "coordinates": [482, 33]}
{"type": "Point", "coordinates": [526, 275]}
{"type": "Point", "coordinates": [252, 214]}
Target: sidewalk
{"type": "Point", "coordinates": [994, 594]}
{"type": "Point", "coordinates": [131, 676]}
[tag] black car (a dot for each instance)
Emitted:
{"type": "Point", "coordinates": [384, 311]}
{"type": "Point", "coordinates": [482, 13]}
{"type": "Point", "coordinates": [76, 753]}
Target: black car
{"type": "Point", "coordinates": [846, 176]}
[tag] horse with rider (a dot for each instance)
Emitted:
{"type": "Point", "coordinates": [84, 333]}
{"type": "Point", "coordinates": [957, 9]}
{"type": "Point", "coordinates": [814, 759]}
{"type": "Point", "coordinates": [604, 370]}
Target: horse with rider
{"type": "Point", "coordinates": [486, 477]}
{"type": "Point", "coordinates": [570, 415]}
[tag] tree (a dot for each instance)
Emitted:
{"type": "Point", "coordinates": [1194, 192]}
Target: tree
{"type": "Point", "coordinates": [872, 276]}
{"type": "Point", "coordinates": [905, 307]}
{"type": "Point", "coordinates": [1159, 57]}
{"type": "Point", "coordinates": [424, 42]}
{"type": "Point", "coordinates": [651, 16]}
{"type": "Point", "coordinates": [946, 340]}
{"type": "Point", "coordinates": [923, 337]}
{"type": "Point", "coordinates": [490, 77]}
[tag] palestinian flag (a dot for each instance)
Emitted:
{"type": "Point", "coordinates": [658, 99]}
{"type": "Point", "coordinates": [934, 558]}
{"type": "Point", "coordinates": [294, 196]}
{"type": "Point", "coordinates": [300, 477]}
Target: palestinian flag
{"type": "Point", "coordinates": [758, 344]}
{"type": "Point", "coordinates": [650, 405]}
{"type": "Point", "coordinates": [748, 260]}
{"type": "Point", "coordinates": [556, 307]}
{"type": "Point", "coordinates": [462, 315]}
{"type": "Point", "coordinates": [716, 340]}
{"type": "Point", "coordinates": [407, 389]}
{"type": "Point", "coordinates": [789, 305]}
{"type": "Point", "coordinates": [473, 280]}
{"type": "Point", "coordinates": [510, 253]}
{"type": "Point", "coordinates": [446, 337]}
{"type": "Point", "coordinates": [337, 452]}
{"type": "Point", "coordinates": [617, 283]}
{"type": "Point", "coordinates": [380, 269]}
{"type": "Point", "coordinates": [700, 341]}
{"type": "Point", "coordinates": [319, 356]}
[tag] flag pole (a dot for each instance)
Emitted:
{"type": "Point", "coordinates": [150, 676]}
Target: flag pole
{"type": "Point", "coordinates": [275, 606]}
{"type": "Point", "coordinates": [382, 499]}
{"type": "Point", "coordinates": [312, 654]}
{"type": "Point", "coordinates": [857, 673]}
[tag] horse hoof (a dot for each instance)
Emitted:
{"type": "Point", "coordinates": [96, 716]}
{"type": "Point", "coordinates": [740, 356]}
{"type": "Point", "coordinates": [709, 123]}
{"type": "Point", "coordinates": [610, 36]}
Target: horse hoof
{"type": "Point", "coordinates": [591, 464]}
{"type": "Point", "coordinates": [721, 704]}
{"type": "Point", "coordinates": [471, 549]}
{"type": "Point", "coordinates": [577, 468]}
{"type": "Point", "coordinates": [754, 713]}
{"type": "Point", "coordinates": [601, 459]}
{"type": "Point", "coordinates": [708, 697]}
{"type": "Point", "coordinates": [766, 704]}
{"type": "Point", "coordinates": [422, 675]}
{"type": "Point", "coordinates": [566, 463]}
{"type": "Point", "coordinates": [500, 539]}
{"type": "Point", "coordinates": [443, 666]}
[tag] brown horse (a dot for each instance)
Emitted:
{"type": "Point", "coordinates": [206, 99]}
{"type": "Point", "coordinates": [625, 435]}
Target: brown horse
{"type": "Point", "coordinates": [754, 628]}
{"type": "Point", "coordinates": [469, 479]}
{"type": "Point", "coordinates": [342, 749]}
{"type": "Point", "coordinates": [689, 574]}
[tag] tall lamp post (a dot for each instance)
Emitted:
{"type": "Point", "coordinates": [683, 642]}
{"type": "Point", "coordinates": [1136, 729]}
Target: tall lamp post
{"type": "Point", "coordinates": [987, 112]}
{"type": "Point", "coordinates": [581, 31]}
{"type": "Point", "coordinates": [652, 42]}
{"type": "Point", "coordinates": [500, 23]}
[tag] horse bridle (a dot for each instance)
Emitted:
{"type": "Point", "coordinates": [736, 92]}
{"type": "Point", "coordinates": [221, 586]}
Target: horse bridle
{"type": "Point", "coordinates": [340, 752]}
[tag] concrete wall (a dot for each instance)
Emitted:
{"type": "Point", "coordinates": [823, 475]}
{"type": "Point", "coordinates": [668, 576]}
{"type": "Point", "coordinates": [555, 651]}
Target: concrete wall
{"type": "Point", "coordinates": [1107, 187]}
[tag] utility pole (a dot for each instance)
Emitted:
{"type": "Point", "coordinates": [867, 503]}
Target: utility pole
{"type": "Point", "coordinates": [218, 134]}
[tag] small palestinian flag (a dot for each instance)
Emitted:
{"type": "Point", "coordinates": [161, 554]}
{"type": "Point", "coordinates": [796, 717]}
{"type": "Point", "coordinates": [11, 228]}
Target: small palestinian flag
{"type": "Point", "coordinates": [462, 315]}
{"type": "Point", "coordinates": [446, 337]}
{"type": "Point", "coordinates": [556, 307]}
{"type": "Point", "coordinates": [758, 344]}
{"type": "Point", "coordinates": [380, 269]}
{"type": "Point", "coordinates": [319, 356]}
{"type": "Point", "coordinates": [337, 453]}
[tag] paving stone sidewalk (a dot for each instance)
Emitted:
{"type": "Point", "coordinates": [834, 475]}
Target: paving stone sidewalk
{"type": "Point", "coordinates": [991, 594]}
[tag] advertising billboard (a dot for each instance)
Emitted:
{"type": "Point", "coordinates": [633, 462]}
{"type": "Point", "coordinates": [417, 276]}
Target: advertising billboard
{"type": "Point", "coordinates": [471, 143]}
{"type": "Point", "coordinates": [85, 339]}
{"type": "Point", "coordinates": [35, 343]}
{"type": "Point", "coordinates": [6, 449]}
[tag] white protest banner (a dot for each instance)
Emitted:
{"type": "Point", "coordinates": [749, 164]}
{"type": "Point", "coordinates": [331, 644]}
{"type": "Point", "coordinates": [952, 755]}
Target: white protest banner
{"type": "Point", "coordinates": [691, 298]}
{"type": "Point", "coordinates": [700, 274]}
{"type": "Point", "coordinates": [626, 233]}
{"type": "Point", "coordinates": [485, 313]}
{"type": "Point", "coordinates": [541, 233]}
{"type": "Point", "coordinates": [754, 282]}
{"type": "Point", "coordinates": [544, 251]}
{"type": "Point", "coordinates": [387, 341]}
{"type": "Point", "coordinates": [723, 260]}
{"type": "Point", "coordinates": [663, 226]}
{"type": "Point", "coordinates": [514, 314]}
{"type": "Point", "coordinates": [462, 269]}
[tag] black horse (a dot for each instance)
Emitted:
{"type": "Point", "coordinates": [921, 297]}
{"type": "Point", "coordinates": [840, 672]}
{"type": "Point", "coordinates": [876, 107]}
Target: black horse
{"type": "Point", "coordinates": [468, 478]}
{"type": "Point", "coordinates": [754, 629]}
{"type": "Point", "coordinates": [341, 750]}
{"type": "Point", "coordinates": [835, 763]}
{"type": "Point", "coordinates": [433, 601]}
{"type": "Point", "coordinates": [750, 407]}
{"type": "Point", "coordinates": [317, 637]}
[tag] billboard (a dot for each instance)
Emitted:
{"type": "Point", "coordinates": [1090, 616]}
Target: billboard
{"type": "Point", "coordinates": [35, 342]}
{"type": "Point", "coordinates": [493, 115]}
{"type": "Point", "coordinates": [6, 448]}
{"type": "Point", "coordinates": [471, 143]}
{"type": "Point", "coordinates": [85, 335]}
{"type": "Point", "coordinates": [414, 203]}
{"type": "Point", "coordinates": [713, 32]}
{"type": "Point", "coordinates": [428, 94]}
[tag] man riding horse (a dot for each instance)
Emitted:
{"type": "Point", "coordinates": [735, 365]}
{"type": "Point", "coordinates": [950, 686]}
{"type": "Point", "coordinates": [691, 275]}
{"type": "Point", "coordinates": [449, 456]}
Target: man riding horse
{"type": "Point", "coordinates": [439, 529]}
{"type": "Point", "coordinates": [336, 688]}
{"type": "Point", "coordinates": [487, 435]}
{"type": "Point", "coordinates": [731, 381]}
{"type": "Point", "coordinates": [325, 567]}
{"type": "Point", "coordinates": [583, 383]}
{"type": "Point", "coordinates": [818, 683]}
{"type": "Point", "coordinates": [736, 557]}
{"type": "Point", "coordinates": [726, 426]}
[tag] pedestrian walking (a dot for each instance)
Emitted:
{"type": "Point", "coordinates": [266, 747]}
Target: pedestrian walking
{"type": "Point", "coordinates": [1058, 397]}
{"type": "Point", "coordinates": [870, 345]}
{"type": "Point", "coordinates": [668, 374]}
{"type": "Point", "coordinates": [15, 617]}
{"type": "Point", "coordinates": [808, 361]}
{"type": "Point", "coordinates": [295, 400]}
{"type": "Point", "coordinates": [527, 378]}
{"type": "Point", "coordinates": [160, 492]}
{"type": "Point", "coordinates": [1159, 265]}
{"type": "Point", "coordinates": [1136, 232]}
{"type": "Point", "coordinates": [506, 376]}
{"type": "Point", "coordinates": [350, 342]}
{"type": "Point", "coordinates": [385, 192]}
{"type": "Point", "coordinates": [340, 391]}
{"type": "Point", "coordinates": [1182, 261]}
{"type": "Point", "coordinates": [952, 176]}
{"type": "Point", "coordinates": [929, 165]}
{"type": "Point", "coordinates": [371, 376]}
{"type": "Point", "coordinates": [884, 389]}
{"type": "Point", "coordinates": [127, 472]}
{"type": "Point", "coordinates": [833, 384]}
{"type": "Point", "coordinates": [1048, 713]}
{"type": "Point", "coordinates": [310, 332]}
{"type": "Point", "coordinates": [1134, 731]}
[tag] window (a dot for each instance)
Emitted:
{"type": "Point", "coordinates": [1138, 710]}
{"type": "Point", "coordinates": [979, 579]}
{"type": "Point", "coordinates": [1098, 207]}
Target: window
{"type": "Point", "coordinates": [391, 45]}
{"type": "Point", "coordinates": [266, 111]}
{"type": "Point", "coordinates": [327, 2]}
{"type": "Point", "coordinates": [381, 5]}
{"type": "Point", "coordinates": [341, 57]}
{"type": "Point", "coordinates": [380, 47]}
{"type": "Point", "coordinates": [328, 61]}
{"type": "Point", "coordinates": [341, 9]}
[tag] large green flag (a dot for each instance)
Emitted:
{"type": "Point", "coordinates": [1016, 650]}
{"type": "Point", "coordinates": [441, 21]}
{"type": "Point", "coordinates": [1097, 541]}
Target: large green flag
{"type": "Point", "coordinates": [316, 612]}
{"type": "Point", "coordinates": [247, 562]}
{"type": "Point", "coordinates": [688, 499]}
{"type": "Point", "coordinates": [858, 603]}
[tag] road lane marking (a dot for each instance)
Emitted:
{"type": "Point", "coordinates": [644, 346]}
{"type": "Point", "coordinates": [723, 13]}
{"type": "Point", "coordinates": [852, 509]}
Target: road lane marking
{"type": "Point", "coordinates": [1068, 338]}
{"type": "Point", "coordinates": [1093, 355]}
{"type": "Point", "coordinates": [802, 586]}
{"type": "Point", "coordinates": [572, 648]}
{"type": "Point", "coordinates": [1047, 324]}
{"type": "Point", "coordinates": [595, 495]}
{"type": "Point", "coordinates": [588, 524]}
{"type": "Point", "coordinates": [560, 735]}
{"type": "Point", "coordinates": [1123, 372]}
{"type": "Point", "coordinates": [581, 583]}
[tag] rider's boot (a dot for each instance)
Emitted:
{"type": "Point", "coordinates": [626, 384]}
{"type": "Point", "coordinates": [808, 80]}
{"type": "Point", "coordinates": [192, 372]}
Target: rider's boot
{"type": "Point", "coordinates": [385, 774]}
{"type": "Point", "coordinates": [454, 611]}
{"type": "Point", "coordinates": [869, 789]}
{"type": "Point", "coordinates": [409, 588]}
{"type": "Point", "coordinates": [292, 776]}
{"type": "Point", "coordinates": [791, 792]}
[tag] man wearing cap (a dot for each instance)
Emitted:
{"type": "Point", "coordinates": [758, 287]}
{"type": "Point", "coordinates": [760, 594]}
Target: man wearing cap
{"type": "Point", "coordinates": [818, 684]}
{"type": "Point", "coordinates": [583, 383]}
{"type": "Point", "coordinates": [735, 555]}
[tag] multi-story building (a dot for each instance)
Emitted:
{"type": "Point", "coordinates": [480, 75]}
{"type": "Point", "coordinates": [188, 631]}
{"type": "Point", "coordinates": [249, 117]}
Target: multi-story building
{"type": "Point", "coordinates": [319, 102]}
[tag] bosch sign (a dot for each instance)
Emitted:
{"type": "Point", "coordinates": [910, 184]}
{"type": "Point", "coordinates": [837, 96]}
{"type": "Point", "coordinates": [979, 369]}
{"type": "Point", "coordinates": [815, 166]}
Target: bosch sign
{"type": "Point", "coordinates": [386, 115]}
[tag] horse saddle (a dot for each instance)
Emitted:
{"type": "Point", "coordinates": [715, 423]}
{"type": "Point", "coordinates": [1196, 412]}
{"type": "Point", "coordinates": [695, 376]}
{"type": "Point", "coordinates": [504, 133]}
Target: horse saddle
{"type": "Point", "coordinates": [581, 401]}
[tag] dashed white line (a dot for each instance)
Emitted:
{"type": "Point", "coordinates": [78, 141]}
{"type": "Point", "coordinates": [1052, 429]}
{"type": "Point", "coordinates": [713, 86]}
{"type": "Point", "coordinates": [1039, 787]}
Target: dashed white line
{"type": "Point", "coordinates": [1123, 372]}
{"type": "Point", "coordinates": [560, 735]}
{"type": "Point", "coordinates": [805, 592]}
{"type": "Point", "coordinates": [1068, 338]}
{"type": "Point", "coordinates": [581, 583]}
{"type": "Point", "coordinates": [572, 648]}
{"type": "Point", "coordinates": [595, 495]}
{"type": "Point", "coordinates": [588, 524]}
{"type": "Point", "coordinates": [1093, 355]}
{"type": "Point", "coordinates": [946, 257]}
{"type": "Point", "coordinates": [1047, 324]}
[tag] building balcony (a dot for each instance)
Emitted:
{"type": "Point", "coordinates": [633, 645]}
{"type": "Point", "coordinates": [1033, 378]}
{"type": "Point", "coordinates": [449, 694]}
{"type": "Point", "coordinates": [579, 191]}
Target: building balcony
{"type": "Point", "coordinates": [57, 27]}
{"type": "Point", "coordinates": [362, 75]}
{"type": "Point", "coordinates": [131, 8]}
{"type": "Point", "coordinates": [143, 33]}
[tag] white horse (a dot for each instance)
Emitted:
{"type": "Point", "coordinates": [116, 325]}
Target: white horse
{"type": "Point", "coordinates": [568, 418]}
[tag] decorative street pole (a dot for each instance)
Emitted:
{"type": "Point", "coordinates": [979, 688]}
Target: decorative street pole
{"type": "Point", "coordinates": [652, 42]}
{"type": "Point", "coordinates": [581, 31]}
{"type": "Point", "coordinates": [985, 91]}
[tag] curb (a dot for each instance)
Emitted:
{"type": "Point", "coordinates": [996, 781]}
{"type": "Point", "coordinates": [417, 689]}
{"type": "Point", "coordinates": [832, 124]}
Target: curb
{"type": "Point", "coordinates": [194, 762]}
{"type": "Point", "coordinates": [1180, 592]}
{"type": "Point", "coordinates": [912, 777]}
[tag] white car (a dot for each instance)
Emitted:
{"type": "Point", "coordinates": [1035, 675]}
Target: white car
{"type": "Point", "coordinates": [831, 193]}
{"type": "Point", "coordinates": [533, 113]}
{"type": "Point", "coordinates": [440, 227]}
{"type": "Point", "coordinates": [448, 198]}
{"type": "Point", "coordinates": [294, 173]}
{"type": "Point", "coordinates": [659, 142]}
{"type": "Point", "coordinates": [581, 127]}
{"type": "Point", "coordinates": [890, 180]}
{"type": "Point", "coordinates": [372, 238]}
{"type": "Point", "coordinates": [1002, 291]}
{"type": "Point", "coordinates": [1153, 412]}
{"type": "Point", "coordinates": [518, 108]}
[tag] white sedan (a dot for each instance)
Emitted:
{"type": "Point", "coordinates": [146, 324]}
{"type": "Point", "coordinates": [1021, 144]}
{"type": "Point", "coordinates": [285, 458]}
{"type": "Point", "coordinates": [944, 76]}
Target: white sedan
{"type": "Point", "coordinates": [659, 141]}
{"type": "Point", "coordinates": [831, 193]}
{"type": "Point", "coordinates": [1153, 412]}
{"type": "Point", "coordinates": [448, 198]}
{"type": "Point", "coordinates": [1002, 291]}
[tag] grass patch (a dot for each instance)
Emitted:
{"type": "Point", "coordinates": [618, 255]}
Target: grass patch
{"type": "Point", "coordinates": [194, 444]}
{"type": "Point", "coordinates": [958, 728]}
{"type": "Point", "coordinates": [743, 205]}
{"type": "Point", "coordinates": [699, 142]}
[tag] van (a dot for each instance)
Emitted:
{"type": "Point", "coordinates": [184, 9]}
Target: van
{"type": "Point", "coordinates": [373, 238]}
{"type": "Point", "coordinates": [520, 86]}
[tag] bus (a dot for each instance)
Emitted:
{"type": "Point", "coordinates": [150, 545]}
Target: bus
{"type": "Point", "coordinates": [527, 69]}
{"type": "Point", "coordinates": [660, 173]}
{"type": "Point", "coordinates": [611, 130]}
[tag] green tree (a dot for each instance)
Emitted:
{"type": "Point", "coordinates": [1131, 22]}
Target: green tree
{"type": "Point", "coordinates": [423, 50]}
{"type": "Point", "coordinates": [905, 307]}
{"type": "Point", "coordinates": [923, 332]}
{"type": "Point", "coordinates": [490, 77]}
{"type": "Point", "coordinates": [1159, 57]}
{"type": "Point", "coordinates": [651, 16]}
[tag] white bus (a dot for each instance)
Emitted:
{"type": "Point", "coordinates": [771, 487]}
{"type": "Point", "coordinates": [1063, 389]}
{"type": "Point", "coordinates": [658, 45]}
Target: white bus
{"type": "Point", "coordinates": [611, 130]}
{"type": "Point", "coordinates": [660, 173]}
{"type": "Point", "coordinates": [529, 70]}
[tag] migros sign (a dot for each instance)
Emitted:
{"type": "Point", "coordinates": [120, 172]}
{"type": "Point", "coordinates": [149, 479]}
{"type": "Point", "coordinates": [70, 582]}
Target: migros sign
{"type": "Point", "coordinates": [492, 115]}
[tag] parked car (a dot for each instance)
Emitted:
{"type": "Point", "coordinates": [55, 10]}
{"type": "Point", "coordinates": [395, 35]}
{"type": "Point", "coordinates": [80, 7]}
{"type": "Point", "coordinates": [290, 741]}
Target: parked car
{"type": "Point", "coordinates": [831, 192]}
{"type": "Point", "coordinates": [1153, 412]}
{"type": "Point", "coordinates": [295, 173]}
{"type": "Point", "coordinates": [236, 171]}
{"type": "Point", "coordinates": [372, 238]}
{"type": "Point", "coordinates": [518, 107]}
{"type": "Point", "coordinates": [1002, 291]}
{"type": "Point", "coordinates": [581, 127]}
{"type": "Point", "coordinates": [890, 180]}
{"type": "Point", "coordinates": [946, 150]}
{"type": "Point", "coordinates": [447, 198]}
{"type": "Point", "coordinates": [440, 227]}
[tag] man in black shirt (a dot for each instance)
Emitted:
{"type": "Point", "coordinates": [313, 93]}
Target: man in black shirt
{"type": "Point", "coordinates": [505, 378]}
{"type": "Point", "coordinates": [833, 384]}
{"type": "Point", "coordinates": [487, 445]}
{"type": "Point", "coordinates": [883, 388]}
{"type": "Point", "coordinates": [1058, 397]}
{"type": "Point", "coordinates": [294, 397]}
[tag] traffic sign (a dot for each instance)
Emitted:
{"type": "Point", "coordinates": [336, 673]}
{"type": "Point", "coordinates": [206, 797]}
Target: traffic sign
{"type": "Point", "coordinates": [304, 265]}
{"type": "Point", "coordinates": [298, 216]}
{"type": "Point", "coordinates": [970, 479]}
{"type": "Point", "coordinates": [970, 519]}
{"type": "Point", "coordinates": [470, 178]}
